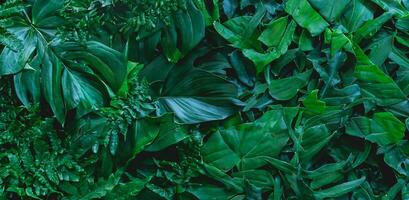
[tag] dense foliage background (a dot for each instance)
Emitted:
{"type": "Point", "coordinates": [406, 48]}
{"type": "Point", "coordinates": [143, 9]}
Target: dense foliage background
{"type": "Point", "coordinates": [204, 99]}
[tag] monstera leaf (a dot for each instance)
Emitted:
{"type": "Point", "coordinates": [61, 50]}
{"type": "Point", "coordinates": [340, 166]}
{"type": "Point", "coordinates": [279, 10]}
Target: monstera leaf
{"type": "Point", "coordinates": [72, 75]}
{"type": "Point", "coordinates": [75, 76]}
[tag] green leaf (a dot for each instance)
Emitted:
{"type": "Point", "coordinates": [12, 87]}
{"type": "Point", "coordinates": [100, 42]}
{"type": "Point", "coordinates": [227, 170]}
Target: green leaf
{"type": "Point", "coordinates": [374, 83]}
{"type": "Point", "coordinates": [11, 61]}
{"type": "Point", "coordinates": [403, 23]}
{"type": "Point", "coordinates": [313, 140]}
{"type": "Point", "coordinates": [327, 174]}
{"type": "Point", "coordinates": [399, 58]}
{"type": "Point", "coordinates": [234, 146]}
{"type": "Point", "coordinates": [100, 188]}
{"type": "Point", "coordinates": [392, 6]}
{"type": "Point", "coordinates": [281, 165]}
{"type": "Point", "coordinates": [259, 178]}
{"type": "Point", "coordinates": [196, 95]}
{"type": "Point", "coordinates": [346, 95]}
{"type": "Point", "coordinates": [383, 129]}
{"type": "Point", "coordinates": [27, 85]}
{"type": "Point", "coordinates": [186, 31]}
{"type": "Point", "coordinates": [140, 135]}
{"type": "Point", "coordinates": [271, 36]}
{"type": "Point", "coordinates": [306, 41]}
{"type": "Point", "coordinates": [313, 104]}
{"type": "Point", "coordinates": [339, 190]}
{"type": "Point", "coordinates": [331, 10]}
{"type": "Point", "coordinates": [51, 73]}
{"type": "Point", "coordinates": [305, 15]}
{"type": "Point", "coordinates": [263, 59]}
{"type": "Point", "coordinates": [208, 191]}
{"type": "Point", "coordinates": [128, 190]}
{"type": "Point", "coordinates": [233, 31]}
{"type": "Point", "coordinates": [82, 89]}
{"type": "Point", "coordinates": [103, 60]}
{"type": "Point", "coordinates": [381, 48]}
{"type": "Point", "coordinates": [45, 10]}
{"type": "Point", "coordinates": [338, 41]}
{"type": "Point", "coordinates": [286, 88]}
{"type": "Point", "coordinates": [357, 13]}
{"type": "Point", "coordinates": [369, 28]}
{"type": "Point", "coordinates": [169, 133]}
{"type": "Point", "coordinates": [397, 158]}
{"type": "Point", "coordinates": [330, 75]}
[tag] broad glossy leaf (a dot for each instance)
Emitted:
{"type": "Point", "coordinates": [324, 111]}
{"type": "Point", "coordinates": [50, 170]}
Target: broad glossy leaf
{"type": "Point", "coordinates": [339, 190]}
{"type": "Point", "coordinates": [403, 80]}
{"type": "Point", "coordinates": [356, 14]}
{"type": "Point", "coordinates": [399, 58]}
{"type": "Point", "coordinates": [392, 6]}
{"type": "Point", "coordinates": [346, 95]}
{"type": "Point", "coordinates": [313, 104]}
{"type": "Point", "coordinates": [140, 135]}
{"type": "Point", "coordinates": [338, 41]}
{"type": "Point", "coordinates": [159, 64]}
{"type": "Point", "coordinates": [397, 158]}
{"type": "Point", "coordinates": [369, 28]}
{"type": "Point", "coordinates": [196, 95]}
{"type": "Point", "coordinates": [262, 59]}
{"type": "Point", "coordinates": [374, 83]}
{"type": "Point", "coordinates": [44, 11]}
{"type": "Point", "coordinates": [186, 31]}
{"type": "Point", "coordinates": [82, 89]}
{"type": "Point", "coordinates": [11, 61]}
{"type": "Point", "coordinates": [209, 191]}
{"type": "Point", "coordinates": [217, 152]}
{"type": "Point", "coordinates": [403, 23]}
{"type": "Point", "coordinates": [286, 88]}
{"type": "Point", "coordinates": [103, 60]}
{"type": "Point", "coordinates": [306, 41]}
{"type": "Point", "coordinates": [56, 62]}
{"type": "Point", "coordinates": [243, 68]}
{"type": "Point", "coordinates": [305, 15]}
{"type": "Point", "coordinates": [51, 72]}
{"type": "Point", "coordinates": [381, 47]}
{"type": "Point", "coordinates": [331, 10]}
{"type": "Point", "coordinates": [169, 133]}
{"type": "Point", "coordinates": [271, 36]}
{"type": "Point", "coordinates": [259, 178]}
{"type": "Point", "coordinates": [233, 31]}
{"type": "Point", "coordinates": [129, 189]}
{"type": "Point", "coordinates": [245, 145]}
{"type": "Point", "coordinates": [327, 174]}
{"type": "Point", "coordinates": [383, 129]}
{"type": "Point", "coordinates": [313, 140]}
{"type": "Point", "coordinates": [27, 85]}
{"type": "Point", "coordinates": [281, 165]}
{"type": "Point", "coordinates": [65, 88]}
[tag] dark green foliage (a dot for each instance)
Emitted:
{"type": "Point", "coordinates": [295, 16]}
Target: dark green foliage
{"type": "Point", "coordinates": [204, 99]}
{"type": "Point", "coordinates": [7, 10]}
{"type": "Point", "coordinates": [35, 161]}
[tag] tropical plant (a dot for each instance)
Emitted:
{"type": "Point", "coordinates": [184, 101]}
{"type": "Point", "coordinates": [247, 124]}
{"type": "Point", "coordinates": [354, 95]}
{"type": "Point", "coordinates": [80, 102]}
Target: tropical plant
{"type": "Point", "coordinates": [204, 99]}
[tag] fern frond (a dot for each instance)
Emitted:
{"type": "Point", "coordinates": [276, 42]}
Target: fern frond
{"type": "Point", "coordinates": [9, 9]}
